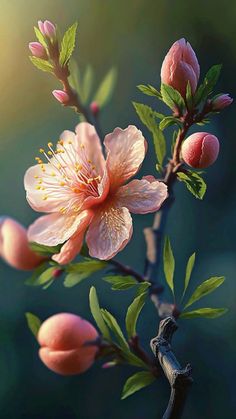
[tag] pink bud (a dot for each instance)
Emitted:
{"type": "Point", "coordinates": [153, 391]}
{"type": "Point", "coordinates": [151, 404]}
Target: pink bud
{"type": "Point", "coordinates": [41, 27]}
{"type": "Point", "coordinates": [57, 272]}
{"type": "Point", "coordinates": [221, 102]}
{"type": "Point", "coordinates": [200, 150]}
{"type": "Point", "coordinates": [94, 107]}
{"type": "Point", "coordinates": [63, 339]}
{"type": "Point", "coordinates": [180, 66]}
{"type": "Point", "coordinates": [61, 96]}
{"type": "Point", "coordinates": [14, 246]}
{"type": "Point", "coordinates": [38, 50]}
{"type": "Point", "coordinates": [49, 29]}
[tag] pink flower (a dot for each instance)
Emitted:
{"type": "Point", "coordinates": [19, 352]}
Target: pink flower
{"type": "Point", "coordinates": [61, 96]}
{"type": "Point", "coordinates": [47, 28]}
{"type": "Point", "coordinates": [82, 191]}
{"type": "Point", "coordinates": [38, 50]}
{"type": "Point", "coordinates": [14, 246]}
{"type": "Point", "coordinates": [200, 150]}
{"type": "Point", "coordinates": [221, 102]}
{"type": "Point", "coordinates": [180, 66]}
{"type": "Point", "coordinates": [63, 339]}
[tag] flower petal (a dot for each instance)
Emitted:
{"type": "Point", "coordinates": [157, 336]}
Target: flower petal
{"type": "Point", "coordinates": [142, 196]}
{"type": "Point", "coordinates": [109, 232]}
{"type": "Point", "coordinates": [87, 136]}
{"type": "Point", "coordinates": [73, 246]}
{"type": "Point", "coordinates": [54, 229]}
{"type": "Point", "coordinates": [41, 199]}
{"type": "Point", "coordinates": [125, 153]}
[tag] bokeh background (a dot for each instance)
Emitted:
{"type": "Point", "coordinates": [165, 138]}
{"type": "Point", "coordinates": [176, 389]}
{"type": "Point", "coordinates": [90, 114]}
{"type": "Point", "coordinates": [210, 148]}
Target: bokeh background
{"type": "Point", "coordinates": [134, 36]}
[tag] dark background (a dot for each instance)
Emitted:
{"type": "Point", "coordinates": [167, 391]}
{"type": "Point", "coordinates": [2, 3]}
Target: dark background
{"type": "Point", "coordinates": [134, 36]}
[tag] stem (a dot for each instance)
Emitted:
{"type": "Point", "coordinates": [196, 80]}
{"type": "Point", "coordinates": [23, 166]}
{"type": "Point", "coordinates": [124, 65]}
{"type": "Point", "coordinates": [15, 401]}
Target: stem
{"type": "Point", "coordinates": [127, 270]}
{"type": "Point", "coordinates": [62, 73]}
{"type": "Point", "coordinates": [154, 235]}
{"type": "Point", "coordinates": [179, 378]}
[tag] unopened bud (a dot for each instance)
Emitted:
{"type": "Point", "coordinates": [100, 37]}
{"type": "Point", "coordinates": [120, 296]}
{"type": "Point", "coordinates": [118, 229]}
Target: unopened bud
{"type": "Point", "coordinates": [38, 50]}
{"type": "Point", "coordinates": [57, 272]}
{"type": "Point", "coordinates": [14, 246]}
{"type": "Point", "coordinates": [180, 66]}
{"type": "Point", "coordinates": [61, 96]}
{"type": "Point", "coordinates": [47, 28]}
{"type": "Point", "coordinates": [94, 107]}
{"type": "Point", "coordinates": [221, 102]}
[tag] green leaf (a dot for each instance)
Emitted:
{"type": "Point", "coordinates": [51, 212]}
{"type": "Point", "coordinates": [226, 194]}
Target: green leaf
{"type": "Point", "coordinates": [75, 78]}
{"type": "Point", "coordinates": [82, 270]}
{"type": "Point", "coordinates": [33, 322]}
{"type": "Point", "coordinates": [205, 288]}
{"type": "Point", "coordinates": [40, 37]}
{"type": "Point", "coordinates": [142, 287]}
{"type": "Point", "coordinates": [120, 282]}
{"type": "Point", "coordinates": [44, 250]}
{"type": "Point", "coordinates": [96, 313]}
{"type": "Point", "coordinates": [137, 382]}
{"type": "Point", "coordinates": [172, 97]}
{"type": "Point", "coordinates": [68, 44]}
{"type": "Point", "coordinates": [149, 90]}
{"type": "Point", "coordinates": [194, 183]}
{"type": "Point", "coordinates": [106, 88]}
{"type": "Point", "coordinates": [206, 88]}
{"type": "Point", "coordinates": [115, 328]}
{"type": "Point", "coordinates": [169, 263]}
{"type": "Point", "coordinates": [168, 121]}
{"type": "Point", "coordinates": [133, 313]}
{"type": "Point", "coordinates": [208, 313]}
{"type": "Point", "coordinates": [42, 278]}
{"type": "Point", "coordinates": [36, 273]}
{"type": "Point", "coordinates": [41, 64]}
{"type": "Point", "coordinates": [147, 116]}
{"type": "Point", "coordinates": [189, 268]}
{"type": "Point", "coordinates": [87, 83]}
{"type": "Point", "coordinates": [189, 96]}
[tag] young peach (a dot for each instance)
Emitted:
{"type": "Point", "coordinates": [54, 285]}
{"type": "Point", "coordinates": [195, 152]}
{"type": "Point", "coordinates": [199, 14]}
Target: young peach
{"type": "Point", "coordinates": [200, 150]}
{"type": "Point", "coordinates": [64, 339]}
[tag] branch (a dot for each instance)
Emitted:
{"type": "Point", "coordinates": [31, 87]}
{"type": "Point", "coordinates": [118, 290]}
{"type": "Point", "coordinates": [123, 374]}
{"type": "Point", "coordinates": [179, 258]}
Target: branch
{"type": "Point", "coordinates": [180, 379]}
{"type": "Point", "coordinates": [154, 235]}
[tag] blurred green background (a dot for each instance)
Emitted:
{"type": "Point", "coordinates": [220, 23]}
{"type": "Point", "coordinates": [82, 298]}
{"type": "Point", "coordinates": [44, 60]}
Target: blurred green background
{"type": "Point", "coordinates": [134, 35]}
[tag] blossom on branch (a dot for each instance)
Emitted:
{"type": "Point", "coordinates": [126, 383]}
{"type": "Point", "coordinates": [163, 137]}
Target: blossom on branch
{"type": "Point", "coordinates": [82, 191]}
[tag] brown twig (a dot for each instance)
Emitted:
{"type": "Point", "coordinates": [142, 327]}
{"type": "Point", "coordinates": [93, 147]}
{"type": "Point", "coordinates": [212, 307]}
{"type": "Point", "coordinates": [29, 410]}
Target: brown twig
{"type": "Point", "coordinates": [179, 378]}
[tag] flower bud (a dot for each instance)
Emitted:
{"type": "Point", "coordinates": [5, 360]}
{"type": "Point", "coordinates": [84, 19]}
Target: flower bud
{"type": "Point", "coordinates": [41, 27]}
{"type": "Point", "coordinates": [64, 339]}
{"type": "Point", "coordinates": [221, 102]}
{"type": "Point", "coordinates": [200, 150]}
{"type": "Point", "coordinates": [14, 246]}
{"type": "Point", "coordinates": [57, 272]}
{"type": "Point", "coordinates": [38, 50]}
{"type": "Point", "coordinates": [47, 28]}
{"type": "Point", "coordinates": [180, 66]}
{"type": "Point", "coordinates": [61, 96]}
{"type": "Point", "coordinates": [94, 107]}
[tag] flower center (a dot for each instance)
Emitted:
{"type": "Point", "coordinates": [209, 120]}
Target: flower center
{"type": "Point", "coordinates": [69, 175]}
